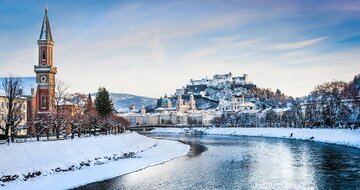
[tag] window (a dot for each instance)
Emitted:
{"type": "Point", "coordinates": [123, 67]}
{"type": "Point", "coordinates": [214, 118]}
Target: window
{"type": "Point", "coordinates": [43, 54]}
{"type": "Point", "coordinates": [2, 105]}
{"type": "Point", "coordinates": [43, 101]}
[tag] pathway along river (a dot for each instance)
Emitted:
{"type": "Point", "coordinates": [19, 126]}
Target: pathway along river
{"type": "Point", "coordinates": [229, 162]}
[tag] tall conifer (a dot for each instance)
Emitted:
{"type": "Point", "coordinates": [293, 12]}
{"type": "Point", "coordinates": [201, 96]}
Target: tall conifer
{"type": "Point", "coordinates": [103, 103]}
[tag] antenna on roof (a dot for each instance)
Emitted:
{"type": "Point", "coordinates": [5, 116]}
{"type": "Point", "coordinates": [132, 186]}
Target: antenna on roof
{"type": "Point", "coordinates": [46, 8]}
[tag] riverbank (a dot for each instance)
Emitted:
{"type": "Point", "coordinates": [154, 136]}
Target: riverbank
{"type": "Point", "coordinates": [71, 163]}
{"type": "Point", "coordinates": [345, 137]}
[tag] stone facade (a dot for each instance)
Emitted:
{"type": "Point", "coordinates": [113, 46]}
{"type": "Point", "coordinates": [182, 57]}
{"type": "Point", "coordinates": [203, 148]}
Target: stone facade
{"type": "Point", "coordinates": [218, 78]}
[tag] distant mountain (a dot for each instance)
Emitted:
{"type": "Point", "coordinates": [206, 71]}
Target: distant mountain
{"type": "Point", "coordinates": [123, 101]}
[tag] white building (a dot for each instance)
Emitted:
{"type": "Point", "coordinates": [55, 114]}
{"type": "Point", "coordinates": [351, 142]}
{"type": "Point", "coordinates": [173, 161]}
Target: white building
{"type": "Point", "coordinates": [241, 80]}
{"type": "Point", "coordinates": [237, 103]}
{"type": "Point", "coordinates": [208, 82]}
{"type": "Point", "coordinates": [207, 118]}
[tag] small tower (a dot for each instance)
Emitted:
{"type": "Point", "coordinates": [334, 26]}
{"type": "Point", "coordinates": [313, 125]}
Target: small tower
{"type": "Point", "coordinates": [179, 104]}
{"type": "Point", "coordinates": [192, 103]}
{"type": "Point", "coordinates": [143, 110]}
{"type": "Point", "coordinates": [246, 78]}
{"type": "Point", "coordinates": [45, 71]}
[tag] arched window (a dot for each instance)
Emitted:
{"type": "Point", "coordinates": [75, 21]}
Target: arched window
{"type": "Point", "coordinates": [43, 101]}
{"type": "Point", "coordinates": [43, 54]}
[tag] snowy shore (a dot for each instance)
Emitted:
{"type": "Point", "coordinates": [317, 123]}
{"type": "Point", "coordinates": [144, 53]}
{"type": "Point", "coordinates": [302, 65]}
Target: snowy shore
{"type": "Point", "coordinates": [90, 159]}
{"type": "Point", "coordinates": [346, 137]}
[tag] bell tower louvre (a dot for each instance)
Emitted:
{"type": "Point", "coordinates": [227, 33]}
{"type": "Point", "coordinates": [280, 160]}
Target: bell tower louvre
{"type": "Point", "coordinates": [45, 70]}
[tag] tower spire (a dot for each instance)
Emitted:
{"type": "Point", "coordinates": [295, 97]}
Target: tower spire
{"type": "Point", "coordinates": [45, 70]}
{"type": "Point", "coordinates": [45, 33]}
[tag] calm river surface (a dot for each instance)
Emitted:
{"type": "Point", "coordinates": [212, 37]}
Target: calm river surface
{"type": "Point", "coordinates": [228, 162]}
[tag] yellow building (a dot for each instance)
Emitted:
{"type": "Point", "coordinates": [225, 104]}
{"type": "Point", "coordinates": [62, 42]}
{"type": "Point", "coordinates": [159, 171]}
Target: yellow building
{"type": "Point", "coordinates": [185, 106]}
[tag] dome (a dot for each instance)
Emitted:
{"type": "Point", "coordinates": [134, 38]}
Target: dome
{"type": "Point", "coordinates": [166, 101]}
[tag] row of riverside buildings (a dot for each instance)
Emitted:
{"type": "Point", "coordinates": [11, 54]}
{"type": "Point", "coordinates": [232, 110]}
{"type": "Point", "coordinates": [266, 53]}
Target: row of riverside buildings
{"type": "Point", "coordinates": [184, 111]}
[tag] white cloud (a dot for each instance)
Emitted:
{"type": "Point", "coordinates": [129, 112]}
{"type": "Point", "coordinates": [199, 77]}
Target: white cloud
{"type": "Point", "coordinates": [298, 45]}
{"type": "Point", "coordinates": [218, 45]}
{"type": "Point", "coordinates": [125, 48]}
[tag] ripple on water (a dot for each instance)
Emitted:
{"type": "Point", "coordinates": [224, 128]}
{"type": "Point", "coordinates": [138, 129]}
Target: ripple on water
{"type": "Point", "coordinates": [223, 162]}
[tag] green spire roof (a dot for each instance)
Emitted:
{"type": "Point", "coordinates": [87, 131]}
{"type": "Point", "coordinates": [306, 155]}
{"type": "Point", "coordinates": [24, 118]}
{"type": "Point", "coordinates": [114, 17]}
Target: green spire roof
{"type": "Point", "coordinates": [45, 28]}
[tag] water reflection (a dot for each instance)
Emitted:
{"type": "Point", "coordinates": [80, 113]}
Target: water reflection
{"type": "Point", "coordinates": [195, 148]}
{"type": "Point", "coordinates": [221, 162]}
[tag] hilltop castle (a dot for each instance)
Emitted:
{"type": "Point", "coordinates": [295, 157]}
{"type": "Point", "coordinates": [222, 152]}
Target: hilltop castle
{"type": "Point", "coordinates": [218, 78]}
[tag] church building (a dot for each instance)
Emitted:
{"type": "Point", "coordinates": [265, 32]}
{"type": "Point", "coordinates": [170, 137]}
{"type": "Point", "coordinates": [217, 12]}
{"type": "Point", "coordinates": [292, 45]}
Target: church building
{"type": "Point", "coordinates": [45, 70]}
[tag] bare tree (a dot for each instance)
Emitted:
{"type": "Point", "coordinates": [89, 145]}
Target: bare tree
{"type": "Point", "coordinates": [41, 125]}
{"type": "Point", "coordinates": [13, 89]}
{"type": "Point", "coordinates": [60, 94]}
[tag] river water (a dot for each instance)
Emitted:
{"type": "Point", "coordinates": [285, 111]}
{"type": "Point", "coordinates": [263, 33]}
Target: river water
{"type": "Point", "coordinates": [229, 162]}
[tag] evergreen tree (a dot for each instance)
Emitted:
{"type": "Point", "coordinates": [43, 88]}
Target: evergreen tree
{"type": "Point", "coordinates": [103, 103]}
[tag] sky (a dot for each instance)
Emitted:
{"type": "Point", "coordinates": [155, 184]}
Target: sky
{"type": "Point", "coordinates": [151, 48]}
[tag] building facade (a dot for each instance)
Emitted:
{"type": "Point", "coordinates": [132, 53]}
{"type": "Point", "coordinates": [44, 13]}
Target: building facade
{"type": "Point", "coordinates": [220, 78]}
{"type": "Point", "coordinates": [237, 103]}
{"type": "Point", "coordinates": [20, 102]}
{"type": "Point", "coordinates": [185, 106]}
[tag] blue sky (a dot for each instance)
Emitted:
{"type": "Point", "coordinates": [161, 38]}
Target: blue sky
{"type": "Point", "coordinates": [153, 47]}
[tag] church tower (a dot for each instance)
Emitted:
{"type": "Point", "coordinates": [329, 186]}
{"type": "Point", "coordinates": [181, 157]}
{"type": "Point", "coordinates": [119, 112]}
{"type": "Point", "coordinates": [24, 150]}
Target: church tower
{"type": "Point", "coordinates": [45, 70]}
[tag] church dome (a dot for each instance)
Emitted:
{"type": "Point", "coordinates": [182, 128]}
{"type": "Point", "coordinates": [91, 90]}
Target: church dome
{"type": "Point", "coordinates": [166, 101]}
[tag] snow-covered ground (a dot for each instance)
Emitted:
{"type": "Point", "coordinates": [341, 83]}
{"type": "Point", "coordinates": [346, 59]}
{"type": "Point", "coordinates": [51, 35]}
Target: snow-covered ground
{"type": "Point", "coordinates": [91, 159]}
{"type": "Point", "coordinates": [346, 137]}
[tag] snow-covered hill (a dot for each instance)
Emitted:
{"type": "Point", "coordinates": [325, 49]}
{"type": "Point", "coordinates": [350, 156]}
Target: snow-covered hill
{"type": "Point", "coordinates": [227, 90]}
{"type": "Point", "coordinates": [122, 101]}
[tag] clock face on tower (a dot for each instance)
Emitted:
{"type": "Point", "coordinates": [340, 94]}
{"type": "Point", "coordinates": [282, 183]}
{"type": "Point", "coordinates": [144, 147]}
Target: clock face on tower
{"type": "Point", "coordinates": [43, 79]}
